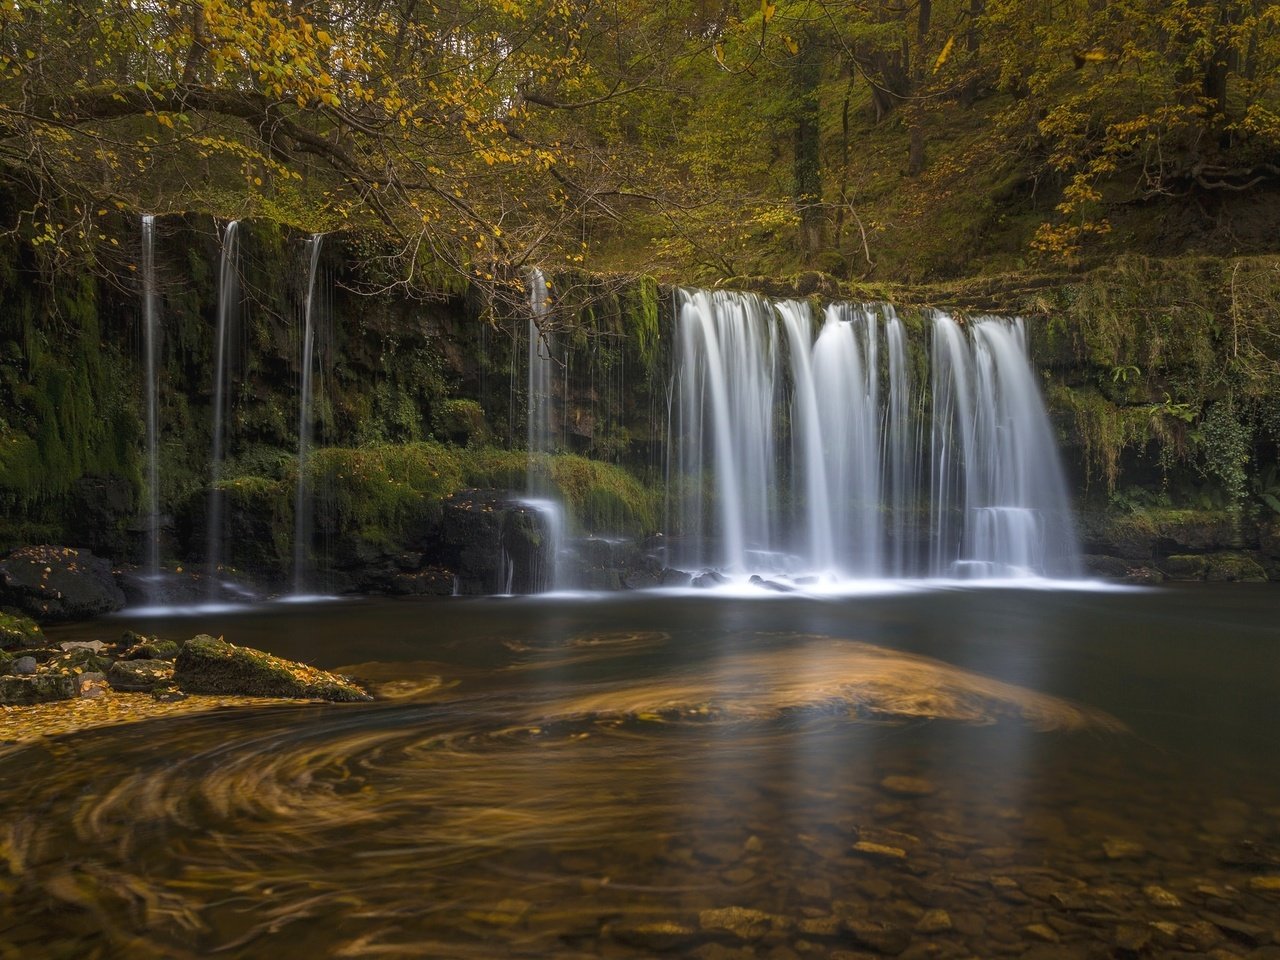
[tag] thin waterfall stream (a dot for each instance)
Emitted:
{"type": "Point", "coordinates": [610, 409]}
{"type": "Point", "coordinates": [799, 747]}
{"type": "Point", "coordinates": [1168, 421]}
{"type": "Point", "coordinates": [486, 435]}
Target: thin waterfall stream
{"type": "Point", "coordinates": [302, 504]}
{"type": "Point", "coordinates": [228, 304]}
{"type": "Point", "coordinates": [151, 337]}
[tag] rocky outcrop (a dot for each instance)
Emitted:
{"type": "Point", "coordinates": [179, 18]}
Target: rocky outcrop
{"type": "Point", "coordinates": [58, 583]}
{"type": "Point", "coordinates": [211, 665]}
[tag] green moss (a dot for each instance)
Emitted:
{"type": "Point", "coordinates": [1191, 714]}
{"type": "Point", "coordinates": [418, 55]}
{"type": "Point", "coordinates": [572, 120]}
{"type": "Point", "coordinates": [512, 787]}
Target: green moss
{"type": "Point", "coordinates": [19, 631]}
{"type": "Point", "coordinates": [460, 421]}
{"type": "Point", "coordinates": [373, 491]}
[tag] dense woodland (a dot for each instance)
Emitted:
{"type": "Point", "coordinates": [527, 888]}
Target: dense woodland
{"type": "Point", "coordinates": [895, 140]}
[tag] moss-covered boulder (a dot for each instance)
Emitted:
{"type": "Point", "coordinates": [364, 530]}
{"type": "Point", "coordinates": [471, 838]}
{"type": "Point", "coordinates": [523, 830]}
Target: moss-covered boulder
{"type": "Point", "coordinates": [137, 676]}
{"type": "Point", "coordinates": [138, 647]}
{"type": "Point", "coordinates": [40, 688]}
{"type": "Point", "coordinates": [17, 631]}
{"type": "Point", "coordinates": [209, 665]}
{"type": "Point", "coordinates": [1185, 567]}
{"type": "Point", "coordinates": [58, 583]}
{"type": "Point", "coordinates": [1234, 568]}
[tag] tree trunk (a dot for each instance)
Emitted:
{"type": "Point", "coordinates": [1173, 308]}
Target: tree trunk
{"type": "Point", "coordinates": [806, 72]}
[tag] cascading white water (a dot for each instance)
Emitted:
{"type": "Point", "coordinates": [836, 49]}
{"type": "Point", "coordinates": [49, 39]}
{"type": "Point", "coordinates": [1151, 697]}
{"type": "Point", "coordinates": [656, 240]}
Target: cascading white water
{"type": "Point", "coordinates": [541, 370]}
{"type": "Point", "coordinates": [302, 507]}
{"type": "Point", "coordinates": [151, 338]}
{"type": "Point", "coordinates": [540, 425]}
{"type": "Point", "coordinates": [991, 490]}
{"type": "Point", "coordinates": [728, 362]}
{"type": "Point", "coordinates": [1014, 514]}
{"type": "Point", "coordinates": [228, 303]}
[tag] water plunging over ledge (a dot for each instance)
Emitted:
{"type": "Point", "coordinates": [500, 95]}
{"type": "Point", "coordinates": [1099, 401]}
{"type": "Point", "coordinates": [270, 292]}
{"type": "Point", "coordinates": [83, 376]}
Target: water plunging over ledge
{"type": "Point", "coordinates": [805, 447]}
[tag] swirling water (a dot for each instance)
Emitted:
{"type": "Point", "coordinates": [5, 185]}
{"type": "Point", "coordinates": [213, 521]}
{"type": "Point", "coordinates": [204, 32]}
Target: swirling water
{"type": "Point", "coordinates": [547, 777]}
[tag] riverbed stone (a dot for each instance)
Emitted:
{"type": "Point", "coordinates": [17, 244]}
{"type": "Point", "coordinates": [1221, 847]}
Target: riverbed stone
{"type": "Point", "coordinates": [744, 923]}
{"type": "Point", "coordinates": [212, 665]}
{"type": "Point", "coordinates": [23, 666]}
{"type": "Point", "coordinates": [934, 921]}
{"type": "Point", "coordinates": [139, 676]}
{"type": "Point", "coordinates": [52, 583]}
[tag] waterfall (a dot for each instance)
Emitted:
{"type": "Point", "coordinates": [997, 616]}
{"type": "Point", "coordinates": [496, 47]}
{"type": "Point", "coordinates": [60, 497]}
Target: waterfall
{"type": "Point", "coordinates": [798, 447]}
{"type": "Point", "coordinates": [151, 336]}
{"type": "Point", "coordinates": [228, 302]}
{"type": "Point", "coordinates": [541, 430]}
{"type": "Point", "coordinates": [302, 506]}
{"type": "Point", "coordinates": [541, 369]}
{"type": "Point", "coordinates": [728, 363]}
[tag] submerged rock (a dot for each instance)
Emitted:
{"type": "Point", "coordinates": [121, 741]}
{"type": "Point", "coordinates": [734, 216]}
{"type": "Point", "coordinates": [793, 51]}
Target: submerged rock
{"type": "Point", "coordinates": [209, 665]}
{"type": "Point", "coordinates": [58, 583]}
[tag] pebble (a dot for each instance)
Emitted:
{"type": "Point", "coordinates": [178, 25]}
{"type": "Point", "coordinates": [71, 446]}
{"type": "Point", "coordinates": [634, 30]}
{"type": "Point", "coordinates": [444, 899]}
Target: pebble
{"type": "Point", "coordinates": [1117, 849]}
{"type": "Point", "coordinates": [934, 921]}
{"type": "Point", "coordinates": [743, 922]}
{"type": "Point", "coordinates": [1041, 932]}
{"type": "Point", "coordinates": [1161, 897]}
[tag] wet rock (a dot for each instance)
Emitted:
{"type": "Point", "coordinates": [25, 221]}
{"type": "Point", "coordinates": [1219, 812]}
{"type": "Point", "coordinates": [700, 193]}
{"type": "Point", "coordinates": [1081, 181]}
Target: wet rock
{"type": "Point", "coordinates": [1200, 935]}
{"type": "Point", "coordinates": [23, 667]}
{"type": "Point", "coordinates": [1240, 930]}
{"type": "Point", "coordinates": [934, 921]}
{"type": "Point", "coordinates": [1161, 897]}
{"type": "Point", "coordinates": [505, 913]}
{"type": "Point", "coordinates": [52, 583]}
{"type": "Point", "coordinates": [93, 646]}
{"type": "Point", "coordinates": [908, 786]}
{"type": "Point", "coordinates": [1041, 932]}
{"type": "Point", "coordinates": [139, 676]}
{"type": "Point", "coordinates": [879, 851]}
{"type": "Point", "coordinates": [759, 581]}
{"type": "Point", "coordinates": [92, 686]}
{"type": "Point", "coordinates": [17, 631]}
{"type": "Point", "coordinates": [1100, 565]}
{"type": "Point", "coordinates": [1119, 849]}
{"type": "Point", "coordinates": [881, 937]}
{"type": "Point", "coordinates": [828, 926]}
{"type": "Point", "coordinates": [167, 693]}
{"type": "Point", "coordinates": [709, 578]}
{"type": "Point", "coordinates": [1185, 567]}
{"type": "Point", "coordinates": [672, 577]}
{"type": "Point", "coordinates": [742, 922]}
{"type": "Point", "coordinates": [22, 691]}
{"type": "Point", "coordinates": [1251, 854]}
{"type": "Point", "coordinates": [660, 935]}
{"type": "Point", "coordinates": [152, 648]}
{"type": "Point", "coordinates": [209, 665]}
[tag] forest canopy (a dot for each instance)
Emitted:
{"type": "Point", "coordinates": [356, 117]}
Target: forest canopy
{"type": "Point", "coordinates": [705, 137]}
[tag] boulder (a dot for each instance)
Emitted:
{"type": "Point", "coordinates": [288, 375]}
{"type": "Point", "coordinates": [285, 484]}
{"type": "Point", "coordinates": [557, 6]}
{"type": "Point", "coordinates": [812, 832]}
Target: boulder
{"type": "Point", "coordinates": [58, 583]}
{"type": "Point", "coordinates": [139, 676]}
{"type": "Point", "coordinates": [22, 691]}
{"type": "Point", "coordinates": [209, 665]}
{"type": "Point", "coordinates": [138, 647]}
{"type": "Point", "coordinates": [19, 631]}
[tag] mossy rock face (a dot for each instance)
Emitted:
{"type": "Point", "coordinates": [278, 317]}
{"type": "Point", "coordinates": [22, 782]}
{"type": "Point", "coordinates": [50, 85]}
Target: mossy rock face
{"type": "Point", "coordinates": [1234, 568]}
{"type": "Point", "coordinates": [1186, 567]}
{"type": "Point", "coordinates": [58, 583]}
{"type": "Point", "coordinates": [41, 688]}
{"type": "Point", "coordinates": [19, 631]}
{"type": "Point", "coordinates": [209, 665]}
